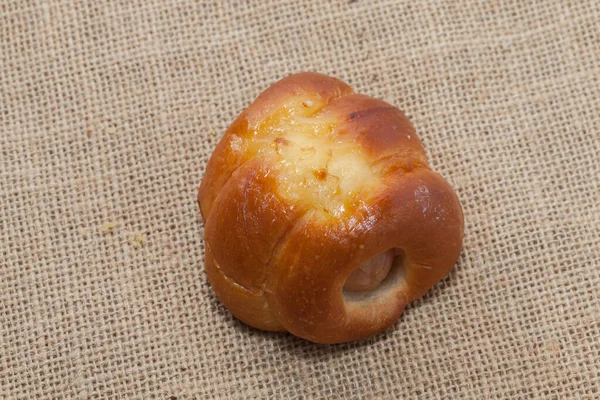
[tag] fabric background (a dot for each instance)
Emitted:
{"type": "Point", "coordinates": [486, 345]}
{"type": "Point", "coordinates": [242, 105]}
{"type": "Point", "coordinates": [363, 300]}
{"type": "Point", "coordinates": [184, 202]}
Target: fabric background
{"type": "Point", "coordinates": [109, 111]}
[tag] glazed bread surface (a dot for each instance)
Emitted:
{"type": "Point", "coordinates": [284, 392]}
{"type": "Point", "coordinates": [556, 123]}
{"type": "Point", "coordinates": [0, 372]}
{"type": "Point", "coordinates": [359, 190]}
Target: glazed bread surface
{"type": "Point", "coordinates": [321, 214]}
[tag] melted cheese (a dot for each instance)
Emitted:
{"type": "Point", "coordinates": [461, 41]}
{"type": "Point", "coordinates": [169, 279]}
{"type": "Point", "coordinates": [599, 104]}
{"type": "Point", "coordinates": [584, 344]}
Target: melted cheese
{"type": "Point", "coordinates": [314, 165]}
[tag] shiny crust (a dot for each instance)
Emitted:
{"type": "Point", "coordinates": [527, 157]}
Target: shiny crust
{"type": "Point", "coordinates": [279, 266]}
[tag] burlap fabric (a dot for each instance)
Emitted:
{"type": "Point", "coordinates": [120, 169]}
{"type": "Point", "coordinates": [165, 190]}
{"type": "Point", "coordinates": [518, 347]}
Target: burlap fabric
{"type": "Point", "coordinates": [110, 110]}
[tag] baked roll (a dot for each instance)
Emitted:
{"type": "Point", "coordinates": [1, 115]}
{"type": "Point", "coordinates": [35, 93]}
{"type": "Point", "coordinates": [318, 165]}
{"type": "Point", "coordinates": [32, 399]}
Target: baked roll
{"type": "Point", "coordinates": [322, 217]}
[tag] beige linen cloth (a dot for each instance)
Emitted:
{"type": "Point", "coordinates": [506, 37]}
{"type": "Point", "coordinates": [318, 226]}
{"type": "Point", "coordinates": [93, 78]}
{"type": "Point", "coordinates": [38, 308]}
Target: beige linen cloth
{"type": "Point", "coordinates": [109, 111]}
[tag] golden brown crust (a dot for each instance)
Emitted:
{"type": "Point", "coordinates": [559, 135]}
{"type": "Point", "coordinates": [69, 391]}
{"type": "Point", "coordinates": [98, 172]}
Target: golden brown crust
{"type": "Point", "coordinates": [280, 264]}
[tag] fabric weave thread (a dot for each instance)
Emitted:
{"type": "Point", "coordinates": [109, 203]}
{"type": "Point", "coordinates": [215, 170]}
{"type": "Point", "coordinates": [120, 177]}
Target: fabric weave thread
{"type": "Point", "coordinates": [109, 111]}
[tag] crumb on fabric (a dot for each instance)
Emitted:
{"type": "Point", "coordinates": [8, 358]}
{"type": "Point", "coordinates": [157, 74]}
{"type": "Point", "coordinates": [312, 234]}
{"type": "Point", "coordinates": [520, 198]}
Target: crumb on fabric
{"type": "Point", "coordinates": [111, 130]}
{"type": "Point", "coordinates": [212, 132]}
{"type": "Point", "coordinates": [553, 347]}
{"type": "Point", "coordinates": [532, 348]}
{"type": "Point", "coordinates": [84, 233]}
{"type": "Point", "coordinates": [108, 227]}
{"type": "Point", "coordinates": [90, 127]}
{"type": "Point", "coordinates": [136, 240]}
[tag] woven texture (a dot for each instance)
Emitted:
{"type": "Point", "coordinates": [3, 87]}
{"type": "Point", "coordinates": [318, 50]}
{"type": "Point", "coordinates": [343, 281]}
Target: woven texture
{"type": "Point", "coordinates": [109, 111]}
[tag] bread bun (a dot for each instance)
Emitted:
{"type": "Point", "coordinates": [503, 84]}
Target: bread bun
{"type": "Point", "coordinates": [321, 214]}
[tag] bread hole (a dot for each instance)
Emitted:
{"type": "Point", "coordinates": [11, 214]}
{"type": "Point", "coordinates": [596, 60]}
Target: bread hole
{"type": "Point", "coordinates": [376, 277]}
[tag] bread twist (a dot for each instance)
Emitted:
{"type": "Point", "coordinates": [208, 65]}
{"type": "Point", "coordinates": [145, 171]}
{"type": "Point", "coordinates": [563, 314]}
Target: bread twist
{"type": "Point", "coordinates": [321, 214]}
